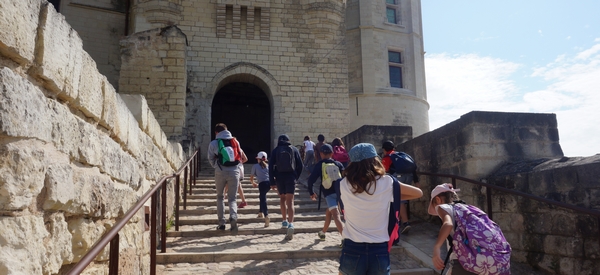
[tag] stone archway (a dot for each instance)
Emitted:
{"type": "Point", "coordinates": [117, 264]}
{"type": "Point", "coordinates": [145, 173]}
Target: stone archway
{"type": "Point", "coordinates": [246, 110]}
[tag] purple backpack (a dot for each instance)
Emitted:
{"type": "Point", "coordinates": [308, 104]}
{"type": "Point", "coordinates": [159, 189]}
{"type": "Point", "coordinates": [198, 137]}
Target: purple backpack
{"type": "Point", "coordinates": [479, 243]}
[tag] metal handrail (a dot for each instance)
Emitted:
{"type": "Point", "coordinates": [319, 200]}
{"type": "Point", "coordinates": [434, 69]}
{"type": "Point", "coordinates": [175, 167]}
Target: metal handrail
{"type": "Point", "coordinates": [112, 236]}
{"type": "Point", "coordinates": [490, 187]}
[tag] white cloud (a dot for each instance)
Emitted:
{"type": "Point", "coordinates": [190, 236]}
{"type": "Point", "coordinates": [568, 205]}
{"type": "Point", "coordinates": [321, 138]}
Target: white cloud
{"type": "Point", "coordinates": [462, 83]}
{"type": "Point", "coordinates": [568, 37]}
{"type": "Point", "coordinates": [540, 32]}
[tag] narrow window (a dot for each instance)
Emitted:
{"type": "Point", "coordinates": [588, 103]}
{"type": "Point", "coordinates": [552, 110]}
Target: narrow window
{"type": "Point", "coordinates": [395, 65]}
{"type": "Point", "coordinates": [392, 11]}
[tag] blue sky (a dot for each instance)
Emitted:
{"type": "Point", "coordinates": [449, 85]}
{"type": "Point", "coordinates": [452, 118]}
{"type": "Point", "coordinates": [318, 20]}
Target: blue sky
{"type": "Point", "coordinates": [516, 56]}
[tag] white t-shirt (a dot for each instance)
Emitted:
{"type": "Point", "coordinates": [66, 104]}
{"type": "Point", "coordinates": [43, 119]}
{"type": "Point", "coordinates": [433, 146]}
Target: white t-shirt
{"type": "Point", "coordinates": [308, 145]}
{"type": "Point", "coordinates": [367, 216]}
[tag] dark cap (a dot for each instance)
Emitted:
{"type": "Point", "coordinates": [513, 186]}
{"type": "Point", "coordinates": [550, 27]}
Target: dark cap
{"type": "Point", "coordinates": [388, 145]}
{"type": "Point", "coordinates": [326, 149]}
{"type": "Point", "coordinates": [283, 137]}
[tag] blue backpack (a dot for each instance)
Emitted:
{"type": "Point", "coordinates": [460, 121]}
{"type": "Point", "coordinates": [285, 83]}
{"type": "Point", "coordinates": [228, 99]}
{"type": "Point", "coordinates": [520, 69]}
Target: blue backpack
{"type": "Point", "coordinates": [402, 163]}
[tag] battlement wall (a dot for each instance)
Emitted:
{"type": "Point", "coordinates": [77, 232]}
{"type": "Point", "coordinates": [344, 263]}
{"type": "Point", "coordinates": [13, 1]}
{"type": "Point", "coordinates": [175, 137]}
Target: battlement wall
{"type": "Point", "coordinates": [74, 154]}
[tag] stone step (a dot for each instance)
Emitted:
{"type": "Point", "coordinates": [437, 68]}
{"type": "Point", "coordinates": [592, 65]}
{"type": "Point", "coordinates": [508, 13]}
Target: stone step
{"type": "Point", "coordinates": [207, 210]}
{"type": "Point", "coordinates": [400, 264]}
{"type": "Point", "coordinates": [249, 218]}
{"type": "Point", "coordinates": [272, 201]}
{"type": "Point", "coordinates": [250, 227]}
{"type": "Point", "coordinates": [213, 195]}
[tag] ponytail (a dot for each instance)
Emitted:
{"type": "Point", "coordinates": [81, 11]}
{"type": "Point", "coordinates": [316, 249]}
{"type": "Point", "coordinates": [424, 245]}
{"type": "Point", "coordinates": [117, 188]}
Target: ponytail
{"type": "Point", "coordinates": [263, 162]}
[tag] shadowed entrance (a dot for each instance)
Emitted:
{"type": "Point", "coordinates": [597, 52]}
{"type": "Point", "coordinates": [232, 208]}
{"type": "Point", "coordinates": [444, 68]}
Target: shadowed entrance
{"type": "Point", "coordinates": [246, 111]}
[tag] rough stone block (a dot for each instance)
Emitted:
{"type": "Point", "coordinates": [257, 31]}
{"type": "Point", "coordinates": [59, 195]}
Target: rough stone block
{"type": "Point", "coordinates": [121, 129]}
{"type": "Point", "coordinates": [21, 251]}
{"type": "Point", "coordinates": [109, 107]}
{"type": "Point", "coordinates": [23, 16]}
{"type": "Point", "coordinates": [65, 129]}
{"type": "Point", "coordinates": [90, 97]}
{"type": "Point", "coordinates": [59, 186]}
{"type": "Point", "coordinates": [22, 170]}
{"type": "Point", "coordinates": [58, 59]}
{"type": "Point", "coordinates": [133, 134]}
{"type": "Point", "coordinates": [58, 244]}
{"type": "Point", "coordinates": [90, 150]}
{"type": "Point", "coordinates": [139, 108]}
{"type": "Point", "coordinates": [23, 108]}
{"type": "Point", "coordinates": [85, 233]}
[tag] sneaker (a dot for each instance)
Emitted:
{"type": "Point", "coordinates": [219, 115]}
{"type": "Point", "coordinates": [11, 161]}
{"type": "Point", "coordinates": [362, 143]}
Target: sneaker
{"type": "Point", "coordinates": [234, 227]}
{"type": "Point", "coordinates": [405, 228]}
{"type": "Point", "coordinates": [221, 227]}
{"type": "Point", "coordinates": [284, 224]}
{"type": "Point", "coordinates": [242, 204]}
{"type": "Point", "coordinates": [321, 235]}
{"type": "Point", "coordinates": [260, 215]}
{"type": "Point", "coordinates": [267, 220]}
{"type": "Point", "coordinates": [290, 232]}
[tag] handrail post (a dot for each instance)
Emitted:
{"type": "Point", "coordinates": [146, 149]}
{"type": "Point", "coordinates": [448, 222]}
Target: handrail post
{"type": "Point", "coordinates": [177, 202]}
{"type": "Point", "coordinates": [113, 262]}
{"type": "Point", "coordinates": [454, 182]}
{"type": "Point", "coordinates": [185, 183]}
{"type": "Point", "coordinates": [488, 193]}
{"type": "Point", "coordinates": [153, 226]}
{"type": "Point", "coordinates": [163, 219]}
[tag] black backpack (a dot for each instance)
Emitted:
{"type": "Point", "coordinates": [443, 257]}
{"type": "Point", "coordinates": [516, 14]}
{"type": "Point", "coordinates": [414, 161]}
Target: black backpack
{"type": "Point", "coordinates": [286, 161]}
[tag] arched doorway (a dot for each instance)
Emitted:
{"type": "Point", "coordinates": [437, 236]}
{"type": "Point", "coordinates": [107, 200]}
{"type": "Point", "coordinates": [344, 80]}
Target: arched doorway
{"type": "Point", "coordinates": [246, 110]}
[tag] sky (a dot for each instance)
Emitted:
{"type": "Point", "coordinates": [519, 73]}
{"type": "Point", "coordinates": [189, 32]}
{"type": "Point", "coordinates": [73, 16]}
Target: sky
{"type": "Point", "coordinates": [540, 56]}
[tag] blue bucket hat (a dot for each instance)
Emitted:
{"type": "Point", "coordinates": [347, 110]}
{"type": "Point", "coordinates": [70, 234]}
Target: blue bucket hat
{"type": "Point", "coordinates": [362, 151]}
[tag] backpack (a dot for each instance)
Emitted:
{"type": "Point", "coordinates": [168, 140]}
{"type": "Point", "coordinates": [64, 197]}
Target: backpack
{"type": "Point", "coordinates": [394, 218]}
{"type": "Point", "coordinates": [402, 163]}
{"type": "Point", "coordinates": [286, 161]}
{"type": "Point", "coordinates": [478, 242]}
{"type": "Point", "coordinates": [330, 173]}
{"type": "Point", "coordinates": [340, 154]}
{"type": "Point", "coordinates": [229, 152]}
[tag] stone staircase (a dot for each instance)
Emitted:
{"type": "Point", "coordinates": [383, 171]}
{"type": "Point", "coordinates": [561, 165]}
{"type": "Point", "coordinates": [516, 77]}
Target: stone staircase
{"type": "Point", "coordinates": [198, 248]}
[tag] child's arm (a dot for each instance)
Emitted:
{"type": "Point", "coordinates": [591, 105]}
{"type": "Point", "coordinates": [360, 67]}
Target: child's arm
{"type": "Point", "coordinates": [409, 192]}
{"type": "Point", "coordinates": [445, 230]}
{"type": "Point", "coordinates": [252, 181]}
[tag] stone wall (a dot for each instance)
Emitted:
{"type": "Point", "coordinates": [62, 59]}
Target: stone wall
{"type": "Point", "coordinates": [101, 37]}
{"type": "Point", "coordinates": [154, 65]}
{"type": "Point", "coordinates": [478, 144]}
{"type": "Point", "coordinates": [73, 157]}
{"type": "Point", "coordinates": [552, 238]}
{"type": "Point", "coordinates": [376, 135]}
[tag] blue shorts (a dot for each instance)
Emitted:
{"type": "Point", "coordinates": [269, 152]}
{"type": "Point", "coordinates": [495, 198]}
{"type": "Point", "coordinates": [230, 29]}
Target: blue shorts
{"type": "Point", "coordinates": [364, 258]}
{"type": "Point", "coordinates": [331, 201]}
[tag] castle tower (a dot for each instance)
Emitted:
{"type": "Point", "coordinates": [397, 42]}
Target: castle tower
{"type": "Point", "coordinates": [386, 69]}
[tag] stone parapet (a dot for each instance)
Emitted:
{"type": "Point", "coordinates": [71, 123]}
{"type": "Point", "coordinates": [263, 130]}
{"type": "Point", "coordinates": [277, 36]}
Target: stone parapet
{"type": "Point", "coordinates": [74, 154]}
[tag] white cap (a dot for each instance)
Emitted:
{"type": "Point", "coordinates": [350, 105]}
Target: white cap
{"type": "Point", "coordinates": [444, 187]}
{"type": "Point", "coordinates": [261, 155]}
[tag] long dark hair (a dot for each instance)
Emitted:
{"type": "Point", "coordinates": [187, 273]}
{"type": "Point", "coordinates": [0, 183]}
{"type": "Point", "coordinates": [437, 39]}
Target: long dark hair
{"type": "Point", "coordinates": [362, 174]}
{"type": "Point", "coordinates": [337, 142]}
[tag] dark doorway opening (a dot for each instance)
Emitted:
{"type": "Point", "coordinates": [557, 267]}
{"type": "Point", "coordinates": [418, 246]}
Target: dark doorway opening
{"type": "Point", "coordinates": [246, 111]}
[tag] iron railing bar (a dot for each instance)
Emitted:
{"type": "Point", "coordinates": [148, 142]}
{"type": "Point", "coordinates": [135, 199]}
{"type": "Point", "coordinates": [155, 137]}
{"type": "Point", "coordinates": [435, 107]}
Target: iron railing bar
{"type": "Point", "coordinates": [518, 193]}
{"type": "Point", "coordinates": [185, 183]}
{"type": "Point", "coordinates": [177, 193]}
{"type": "Point", "coordinates": [99, 246]}
{"type": "Point", "coordinates": [113, 262]}
{"type": "Point", "coordinates": [153, 236]}
{"type": "Point", "coordinates": [163, 219]}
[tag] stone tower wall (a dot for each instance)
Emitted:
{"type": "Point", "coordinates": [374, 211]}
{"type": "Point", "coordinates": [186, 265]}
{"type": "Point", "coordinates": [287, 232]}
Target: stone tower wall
{"type": "Point", "coordinates": [154, 65]}
{"type": "Point", "coordinates": [101, 35]}
{"type": "Point", "coordinates": [73, 157]}
{"type": "Point", "coordinates": [369, 38]}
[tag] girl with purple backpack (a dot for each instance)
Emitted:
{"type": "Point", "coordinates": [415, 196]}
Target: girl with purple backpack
{"type": "Point", "coordinates": [476, 244]}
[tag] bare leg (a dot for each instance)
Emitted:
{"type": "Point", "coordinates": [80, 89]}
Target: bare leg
{"type": "Point", "coordinates": [282, 206]}
{"type": "Point", "coordinates": [241, 192]}
{"type": "Point", "coordinates": [327, 221]}
{"type": "Point", "coordinates": [289, 203]}
{"type": "Point", "coordinates": [337, 220]}
{"type": "Point", "coordinates": [403, 213]}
